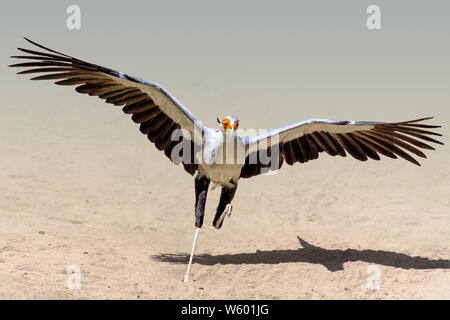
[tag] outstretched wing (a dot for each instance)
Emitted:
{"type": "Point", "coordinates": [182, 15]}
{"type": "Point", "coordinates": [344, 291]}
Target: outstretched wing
{"type": "Point", "coordinates": [157, 111]}
{"type": "Point", "coordinates": [305, 140]}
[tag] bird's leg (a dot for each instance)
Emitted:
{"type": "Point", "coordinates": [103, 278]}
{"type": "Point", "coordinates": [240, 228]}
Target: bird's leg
{"type": "Point", "coordinates": [201, 191]}
{"type": "Point", "coordinates": [186, 276]}
{"type": "Point", "coordinates": [224, 208]}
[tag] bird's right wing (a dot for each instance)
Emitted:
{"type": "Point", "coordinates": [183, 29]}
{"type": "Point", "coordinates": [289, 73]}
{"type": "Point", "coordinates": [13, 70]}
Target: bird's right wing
{"type": "Point", "coordinates": [159, 114]}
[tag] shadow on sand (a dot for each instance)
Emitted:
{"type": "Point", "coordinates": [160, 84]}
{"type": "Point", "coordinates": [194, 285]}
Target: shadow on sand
{"type": "Point", "coordinates": [331, 259]}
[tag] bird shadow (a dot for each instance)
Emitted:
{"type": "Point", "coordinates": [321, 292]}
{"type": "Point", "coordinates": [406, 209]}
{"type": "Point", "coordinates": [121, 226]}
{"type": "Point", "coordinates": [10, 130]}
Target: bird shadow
{"type": "Point", "coordinates": [332, 259]}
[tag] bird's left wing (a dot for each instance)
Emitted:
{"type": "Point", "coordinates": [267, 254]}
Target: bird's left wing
{"type": "Point", "coordinates": [156, 110]}
{"type": "Point", "coordinates": [303, 141]}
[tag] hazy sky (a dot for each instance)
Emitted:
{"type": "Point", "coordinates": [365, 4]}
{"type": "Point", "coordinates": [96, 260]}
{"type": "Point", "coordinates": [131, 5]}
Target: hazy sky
{"type": "Point", "coordinates": [267, 62]}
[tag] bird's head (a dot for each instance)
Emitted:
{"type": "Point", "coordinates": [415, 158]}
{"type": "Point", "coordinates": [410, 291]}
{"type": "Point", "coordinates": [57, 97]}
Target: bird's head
{"type": "Point", "coordinates": [228, 124]}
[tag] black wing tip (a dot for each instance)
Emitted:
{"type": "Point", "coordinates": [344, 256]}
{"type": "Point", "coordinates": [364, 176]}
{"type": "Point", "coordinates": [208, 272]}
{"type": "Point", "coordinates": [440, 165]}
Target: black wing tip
{"type": "Point", "coordinates": [422, 119]}
{"type": "Point", "coordinates": [30, 41]}
{"type": "Point", "coordinates": [412, 160]}
{"type": "Point", "coordinates": [417, 120]}
{"type": "Point", "coordinates": [45, 48]}
{"type": "Point", "coordinates": [18, 57]}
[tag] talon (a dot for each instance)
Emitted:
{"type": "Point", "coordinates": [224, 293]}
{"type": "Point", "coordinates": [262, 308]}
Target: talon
{"type": "Point", "coordinates": [226, 212]}
{"type": "Point", "coordinates": [228, 209]}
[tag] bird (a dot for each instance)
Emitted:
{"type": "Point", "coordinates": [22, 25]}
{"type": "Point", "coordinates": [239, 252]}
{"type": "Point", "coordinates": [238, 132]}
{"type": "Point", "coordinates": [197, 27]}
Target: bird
{"type": "Point", "coordinates": [220, 157]}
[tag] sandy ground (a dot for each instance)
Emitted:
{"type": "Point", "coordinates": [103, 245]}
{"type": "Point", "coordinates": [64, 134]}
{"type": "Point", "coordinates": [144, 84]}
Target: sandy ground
{"type": "Point", "coordinates": [91, 192]}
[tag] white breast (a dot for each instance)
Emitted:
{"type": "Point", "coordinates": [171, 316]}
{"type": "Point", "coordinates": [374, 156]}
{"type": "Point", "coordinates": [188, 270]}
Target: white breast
{"type": "Point", "coordinates": [223, 157]}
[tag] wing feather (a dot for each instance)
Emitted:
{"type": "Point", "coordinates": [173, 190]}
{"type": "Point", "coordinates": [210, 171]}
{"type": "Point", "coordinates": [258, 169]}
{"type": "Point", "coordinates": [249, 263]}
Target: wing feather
{"type": "Point", "coordinates": [305, 140]}
{"type": "Point", "coordinates": [157, 111]}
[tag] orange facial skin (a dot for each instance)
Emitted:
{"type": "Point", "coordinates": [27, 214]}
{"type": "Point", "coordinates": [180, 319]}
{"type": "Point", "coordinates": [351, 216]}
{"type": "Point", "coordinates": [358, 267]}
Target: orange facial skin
{"type": "Point", "coordinates": [226, 124]}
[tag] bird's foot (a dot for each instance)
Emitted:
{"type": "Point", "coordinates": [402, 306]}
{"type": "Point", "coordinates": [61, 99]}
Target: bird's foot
{"type": "Point", "coordinates": [226, 212]}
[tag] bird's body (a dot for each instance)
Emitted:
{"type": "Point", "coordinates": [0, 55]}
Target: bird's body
{"type": "Point", "coordinates": [222, 156]}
